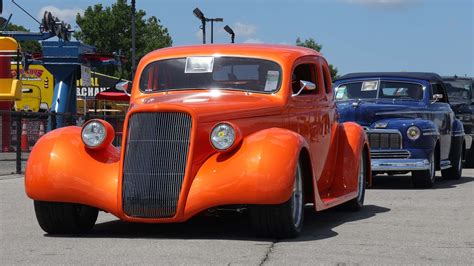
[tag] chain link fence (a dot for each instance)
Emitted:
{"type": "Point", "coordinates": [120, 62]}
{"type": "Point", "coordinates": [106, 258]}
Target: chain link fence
{"type": "Point", "coordinates": [19, 131]}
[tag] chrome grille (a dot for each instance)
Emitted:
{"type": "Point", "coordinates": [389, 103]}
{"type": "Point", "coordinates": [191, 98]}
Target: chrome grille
{"type": "Point", "coordinates": [389, 154]}
{"type": "Point", "coordinates": [384, 140]}
{"type": "Point", "coordinates": [155, 161]}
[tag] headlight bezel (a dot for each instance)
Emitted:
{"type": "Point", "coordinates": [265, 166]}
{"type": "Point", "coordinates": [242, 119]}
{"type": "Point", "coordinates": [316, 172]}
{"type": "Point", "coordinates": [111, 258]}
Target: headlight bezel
{"type": "Point", "coordinates": [107, 136]}
{"type": "Point", "coordinates": [235, 133]}
{"type": "Point", "coordinates": [415, 129]}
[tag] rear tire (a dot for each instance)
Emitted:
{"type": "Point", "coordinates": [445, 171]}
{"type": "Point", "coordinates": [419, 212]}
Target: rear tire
{"type": "Point", "coordinates": [282, 220]}
{"type": "Point", "coordinates": [455, 171]}
{"type": "Point", "coordinates": [425, 178]}
{"type": "Point", "coordinates": [357, 203]}
{"type": "Point", "coordinates": [65, 218]}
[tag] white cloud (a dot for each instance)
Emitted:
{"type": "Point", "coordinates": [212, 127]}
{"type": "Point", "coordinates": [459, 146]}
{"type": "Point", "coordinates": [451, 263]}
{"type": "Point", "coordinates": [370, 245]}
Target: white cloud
{"type": "Point", "coordinates": [65, 14]}
{"type": "Point", "coordinates": [244, 30]}
{"type": "Point", "coordinates": [253, 40]}
{"type": "Point", "coordinates": [382, 3]}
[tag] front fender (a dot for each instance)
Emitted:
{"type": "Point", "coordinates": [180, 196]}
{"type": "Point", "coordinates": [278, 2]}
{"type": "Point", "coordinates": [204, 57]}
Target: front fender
{"type": "Point", "coordinates": [260, 171]}
{"type": "Point", "coordinates": [61, 169]}
{"type": "Point", "coordinates": [458, 128]}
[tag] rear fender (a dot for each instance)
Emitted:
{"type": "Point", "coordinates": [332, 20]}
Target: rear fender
{"type": "Point", "coordinates": [61, 169]}
{"type": "Point", "coordinates": [260, 171]}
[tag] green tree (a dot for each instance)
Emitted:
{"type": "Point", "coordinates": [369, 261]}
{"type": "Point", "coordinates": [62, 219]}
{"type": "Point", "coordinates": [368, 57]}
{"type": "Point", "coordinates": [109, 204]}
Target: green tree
{"type": "Point", "coordinates": [312, 44]}
{"type": "Point", "coordinates": [26, 46]}
{"type": "Point", "coordinates": [109, 30]}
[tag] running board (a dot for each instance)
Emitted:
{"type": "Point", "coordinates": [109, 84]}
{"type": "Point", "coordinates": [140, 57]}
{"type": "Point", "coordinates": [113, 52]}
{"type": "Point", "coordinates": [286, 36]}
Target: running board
{"type": "Point", "coordinates": [444, 164]}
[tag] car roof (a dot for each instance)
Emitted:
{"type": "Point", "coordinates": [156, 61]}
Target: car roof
{"type": "Point", "coordinates": [428, 76]}
{"type": "Point", "coordinates": [456, 78]}
{"type": "Point", "coordinates": [270, 51]}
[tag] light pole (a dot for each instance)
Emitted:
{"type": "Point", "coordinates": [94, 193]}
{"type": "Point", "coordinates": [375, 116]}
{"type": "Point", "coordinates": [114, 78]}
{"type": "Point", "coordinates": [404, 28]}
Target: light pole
{"type": "Point", "coordinates": [212, 20]}
{"type": "Point", "coordinates": [198, 13]}
{"type": "Point", "coordinates": [231, 32]}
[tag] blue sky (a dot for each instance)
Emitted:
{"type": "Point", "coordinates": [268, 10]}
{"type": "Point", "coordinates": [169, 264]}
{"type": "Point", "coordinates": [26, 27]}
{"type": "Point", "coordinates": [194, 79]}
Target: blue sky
{"type": "Point", "coordinates": [357, 35]}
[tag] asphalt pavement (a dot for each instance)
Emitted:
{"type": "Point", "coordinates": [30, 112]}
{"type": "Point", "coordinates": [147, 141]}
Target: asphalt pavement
{"type": "Point", "coordinates": [398, 225]}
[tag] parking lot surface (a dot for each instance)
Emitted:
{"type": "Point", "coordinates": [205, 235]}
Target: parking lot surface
{"type": "Point", "coordinates": [398, 225]}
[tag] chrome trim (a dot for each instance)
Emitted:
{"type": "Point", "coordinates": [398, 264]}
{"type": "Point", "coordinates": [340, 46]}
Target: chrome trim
{"type": "Point", "coordinates": [433, 133]}
{"type": "Point", "coordinates": [468, 140]}
{"type": "Point", "coordinates": [410, 112]}
{"type": "Point", "coordinates": [378, 130]}
{"type": "Point", "coordinates": [400, 164]}
{"type": "Point", "coordinates": [390, 154]}
{"type": "Point", "coordinates": [154, 165]}
{"type": "Point", "coordinates": [386, 131]}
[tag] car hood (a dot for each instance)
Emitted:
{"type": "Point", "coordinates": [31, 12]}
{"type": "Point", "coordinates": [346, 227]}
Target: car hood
{"type": "Point", "coordinates": [367, 112]}
{"type": "Point", "coordinates": [214, 105]}
{"type": "Point", "coordinates": [462, 107]}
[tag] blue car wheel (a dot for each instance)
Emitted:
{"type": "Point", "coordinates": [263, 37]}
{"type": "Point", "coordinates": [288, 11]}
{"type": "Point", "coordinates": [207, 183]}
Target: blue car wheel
{"type": "Point", "coordinates": [425, 178]}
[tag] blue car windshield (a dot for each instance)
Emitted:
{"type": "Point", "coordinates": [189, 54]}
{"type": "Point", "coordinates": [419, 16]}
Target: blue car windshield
{"type": "Point", "coordinates": [376, 89]}
{"type": "Point", "coordinates": [459, 90]}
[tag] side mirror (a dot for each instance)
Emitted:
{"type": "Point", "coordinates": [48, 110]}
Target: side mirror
{"type": "Point", "coordinates": [437, 97]}
{"type": "Point", "coordinates": [305, 86]}
{"type": "Point", "coordinates": [123, 87]}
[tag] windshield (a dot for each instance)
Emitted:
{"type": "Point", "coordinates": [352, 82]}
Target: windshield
{"type": "Point", "coordinates": [459, 90]}
{"type": "Point", "coordinates": [234, 73]}
{"type": "Point", "coordinates": [376, 89]}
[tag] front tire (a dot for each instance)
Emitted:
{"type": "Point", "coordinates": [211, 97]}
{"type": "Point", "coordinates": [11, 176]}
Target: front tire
{"type": "Point", "coordinates": [425, 178]}
{"type": "Point", "coordinates": [65, 218]}
{"type": "Point", "coordinates": [282, 220]}
{"type": "Point", "coordinates": [455, 171]}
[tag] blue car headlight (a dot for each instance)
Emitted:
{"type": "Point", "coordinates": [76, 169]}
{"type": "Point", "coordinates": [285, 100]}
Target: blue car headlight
{"type": "Point", "coordinates": [413, 133]}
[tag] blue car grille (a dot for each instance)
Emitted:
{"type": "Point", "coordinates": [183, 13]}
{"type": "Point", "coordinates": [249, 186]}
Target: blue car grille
{"type": "Point", "coordinates": [155, 160]}
{"type": "Point", "coordinates": [384, 140]}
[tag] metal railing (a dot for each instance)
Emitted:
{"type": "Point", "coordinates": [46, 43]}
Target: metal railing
{"type": "Point", "coordinates": [19, 131]}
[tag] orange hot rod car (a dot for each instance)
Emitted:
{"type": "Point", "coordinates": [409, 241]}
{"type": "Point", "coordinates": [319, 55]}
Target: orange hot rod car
{"type": "Point", "coordinates": [247, 126]}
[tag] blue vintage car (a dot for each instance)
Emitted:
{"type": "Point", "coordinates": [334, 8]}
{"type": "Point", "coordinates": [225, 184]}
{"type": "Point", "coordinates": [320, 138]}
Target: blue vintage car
{"type": "Point", "coordinates": [409, 123]}
{"type": "Point", "coordinates": [461, 98]}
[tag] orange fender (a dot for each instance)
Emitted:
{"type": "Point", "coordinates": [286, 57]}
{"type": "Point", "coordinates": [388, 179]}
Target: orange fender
{"type": "Point", "coordinates": [352, 142]}
{"type": "Point", "coordinates": [260, 171]}
{"type": "Point", "coordinates": [60, 168]}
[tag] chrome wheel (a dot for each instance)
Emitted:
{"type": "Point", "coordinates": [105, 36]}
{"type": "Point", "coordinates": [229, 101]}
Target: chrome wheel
{"type": "Point", "coordinates": [297, 198]}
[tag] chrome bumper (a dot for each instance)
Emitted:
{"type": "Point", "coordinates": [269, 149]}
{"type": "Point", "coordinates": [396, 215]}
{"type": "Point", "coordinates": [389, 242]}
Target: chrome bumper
{"type": "Point", "coordinates": [400, 164]}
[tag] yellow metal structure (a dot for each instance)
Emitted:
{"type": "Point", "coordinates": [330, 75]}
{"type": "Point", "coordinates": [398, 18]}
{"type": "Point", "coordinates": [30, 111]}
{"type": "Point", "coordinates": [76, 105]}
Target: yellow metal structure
{"type": "Point", "coordinates": [10, 88]}
{"type": "Point", "coordinates": [37, 90]}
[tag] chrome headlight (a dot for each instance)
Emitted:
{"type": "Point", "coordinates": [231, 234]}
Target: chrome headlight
{"type": "Point", "coordinates": [93, 133]}
{"type": "Point", "coordinates": [413, 132]}
{"type": "Point", "coordinates": [223, 136]}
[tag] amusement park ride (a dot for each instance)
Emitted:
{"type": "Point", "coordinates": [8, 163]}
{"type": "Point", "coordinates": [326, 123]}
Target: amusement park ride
{"type": "Point", "coordinates": [63, 58]}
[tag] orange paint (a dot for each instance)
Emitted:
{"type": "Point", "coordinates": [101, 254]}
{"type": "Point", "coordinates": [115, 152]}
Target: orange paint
{"type": "Point", "coordinates": [274, 129]}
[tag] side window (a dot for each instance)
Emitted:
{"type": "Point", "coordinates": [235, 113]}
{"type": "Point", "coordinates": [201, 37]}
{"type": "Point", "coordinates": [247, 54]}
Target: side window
{"type": "Point", "coordinates": [305, 72]}
{"type": "Point", "coordinates": [327, 79]}
{"type": "Point", "coordinates": [438, 89]}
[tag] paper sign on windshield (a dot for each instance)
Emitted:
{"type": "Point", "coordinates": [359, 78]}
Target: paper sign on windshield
{"type": "Point", "coordinates": [272, 80]}
{"type": "Point", "coordinates": [369, 86]}
{"type": "Point", "coordinates": [199, 64]}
